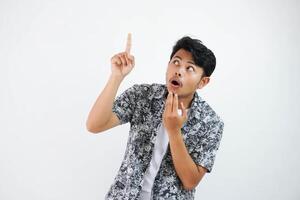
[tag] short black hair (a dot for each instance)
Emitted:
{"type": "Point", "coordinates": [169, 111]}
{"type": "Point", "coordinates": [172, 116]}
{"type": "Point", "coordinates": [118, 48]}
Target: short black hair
{"type": "Point", "coordinates": [203, 57]}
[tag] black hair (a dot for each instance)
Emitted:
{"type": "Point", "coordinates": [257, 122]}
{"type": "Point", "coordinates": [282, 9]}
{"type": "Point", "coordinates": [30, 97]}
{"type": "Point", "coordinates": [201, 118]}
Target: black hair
{"type": "Point", "coordinates": [203, 57]}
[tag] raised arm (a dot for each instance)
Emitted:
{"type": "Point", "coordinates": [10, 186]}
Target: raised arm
{"type": "Point", "coordinates": [101, 116]}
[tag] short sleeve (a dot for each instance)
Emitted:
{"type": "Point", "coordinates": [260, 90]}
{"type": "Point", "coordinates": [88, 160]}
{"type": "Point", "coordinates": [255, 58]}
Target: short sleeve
{"type": "Point", "coordinates": [205, 153]}
{"type": "Point", "coordinates": [124, 104]}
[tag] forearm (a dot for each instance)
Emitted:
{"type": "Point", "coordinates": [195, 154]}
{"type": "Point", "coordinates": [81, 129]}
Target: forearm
{"type": "Point", "coordinates": [102, 108]}
{"type": "Point", "coordinates": [185, 167]}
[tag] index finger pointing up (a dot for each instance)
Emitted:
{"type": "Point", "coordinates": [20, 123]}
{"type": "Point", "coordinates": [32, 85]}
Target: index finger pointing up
{"type": "Point", "coordinates": [128, 44]}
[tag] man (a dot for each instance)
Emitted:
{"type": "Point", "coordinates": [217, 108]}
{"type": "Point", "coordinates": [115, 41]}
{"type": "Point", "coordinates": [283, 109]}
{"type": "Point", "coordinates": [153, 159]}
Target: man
{"type": "Point", "coordinates": [169, 150]}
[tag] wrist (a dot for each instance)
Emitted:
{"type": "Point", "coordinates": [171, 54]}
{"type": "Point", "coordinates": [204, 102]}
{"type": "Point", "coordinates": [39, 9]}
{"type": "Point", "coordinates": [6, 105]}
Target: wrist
{"type": "Point", "coordinates": [117, 78]}
{"type": "Point", "coordinates": [174, 132]}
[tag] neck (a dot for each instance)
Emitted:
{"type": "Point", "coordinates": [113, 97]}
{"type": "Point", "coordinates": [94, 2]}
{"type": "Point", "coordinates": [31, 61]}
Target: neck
{"type": "Point", "coordinates": [187, 101]}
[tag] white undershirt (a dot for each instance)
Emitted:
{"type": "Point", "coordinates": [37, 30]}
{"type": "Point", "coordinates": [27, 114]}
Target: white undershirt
{"type": "Point", "coordinates": [160, 148]}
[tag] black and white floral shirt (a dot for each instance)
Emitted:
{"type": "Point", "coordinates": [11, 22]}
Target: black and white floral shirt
{"type": "Point", "coordinates": [143, 105]}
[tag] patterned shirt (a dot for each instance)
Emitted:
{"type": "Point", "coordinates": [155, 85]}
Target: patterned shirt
{"type": "Point", "coordinates": [142, 105]}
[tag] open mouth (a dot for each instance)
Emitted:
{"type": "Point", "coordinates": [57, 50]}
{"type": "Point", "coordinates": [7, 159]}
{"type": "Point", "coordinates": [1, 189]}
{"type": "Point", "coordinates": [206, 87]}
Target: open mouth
{"type": "Point", "coordinates": [175, 83]}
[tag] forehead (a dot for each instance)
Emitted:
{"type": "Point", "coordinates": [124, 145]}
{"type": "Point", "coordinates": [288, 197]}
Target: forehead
{"type": "Point", "coordinates": [184, 55]}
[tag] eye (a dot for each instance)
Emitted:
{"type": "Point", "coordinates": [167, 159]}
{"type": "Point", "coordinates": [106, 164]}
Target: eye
{"type": "Point", "coordinates": [176, 62]}
{"type": "Point", "coordinates": [190, 68]}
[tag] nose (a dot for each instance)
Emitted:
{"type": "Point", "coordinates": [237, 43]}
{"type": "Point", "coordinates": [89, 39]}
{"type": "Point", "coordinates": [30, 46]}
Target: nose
{"type": "Point", "coordinates": [178, 74]}
{"type": "Point", "coordinates": [179, 71]}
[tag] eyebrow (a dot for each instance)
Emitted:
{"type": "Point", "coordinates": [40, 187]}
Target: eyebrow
{"type": "Point", "coordinates": [187, 61]}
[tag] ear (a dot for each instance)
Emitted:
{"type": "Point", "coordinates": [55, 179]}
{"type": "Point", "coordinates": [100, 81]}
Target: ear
{"type": "Point", "coordinates": [203, 82]}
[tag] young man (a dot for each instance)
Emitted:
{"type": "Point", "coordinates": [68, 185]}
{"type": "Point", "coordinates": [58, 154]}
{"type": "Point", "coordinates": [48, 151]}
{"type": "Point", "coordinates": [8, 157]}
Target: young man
{"type": "Point", "coordinates": [169, 150]}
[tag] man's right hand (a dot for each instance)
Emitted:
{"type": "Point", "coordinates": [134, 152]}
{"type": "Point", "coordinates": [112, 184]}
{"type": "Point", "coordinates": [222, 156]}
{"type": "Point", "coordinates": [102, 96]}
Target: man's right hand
{"type": "Point", "coordinates": [122, 63]}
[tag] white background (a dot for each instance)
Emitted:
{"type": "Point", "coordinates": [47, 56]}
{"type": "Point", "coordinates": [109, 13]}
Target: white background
{"type": "Point", "coordinates": [55, 60]}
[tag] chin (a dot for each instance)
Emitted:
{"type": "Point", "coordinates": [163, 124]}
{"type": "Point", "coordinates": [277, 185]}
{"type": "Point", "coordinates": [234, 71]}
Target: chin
{"type": "Point", "coordinates": [174, 90]}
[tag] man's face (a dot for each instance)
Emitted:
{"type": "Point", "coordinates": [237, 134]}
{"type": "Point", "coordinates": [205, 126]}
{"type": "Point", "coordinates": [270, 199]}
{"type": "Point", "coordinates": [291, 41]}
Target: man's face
{"type": "Point", "coordinates": [184, 71]}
